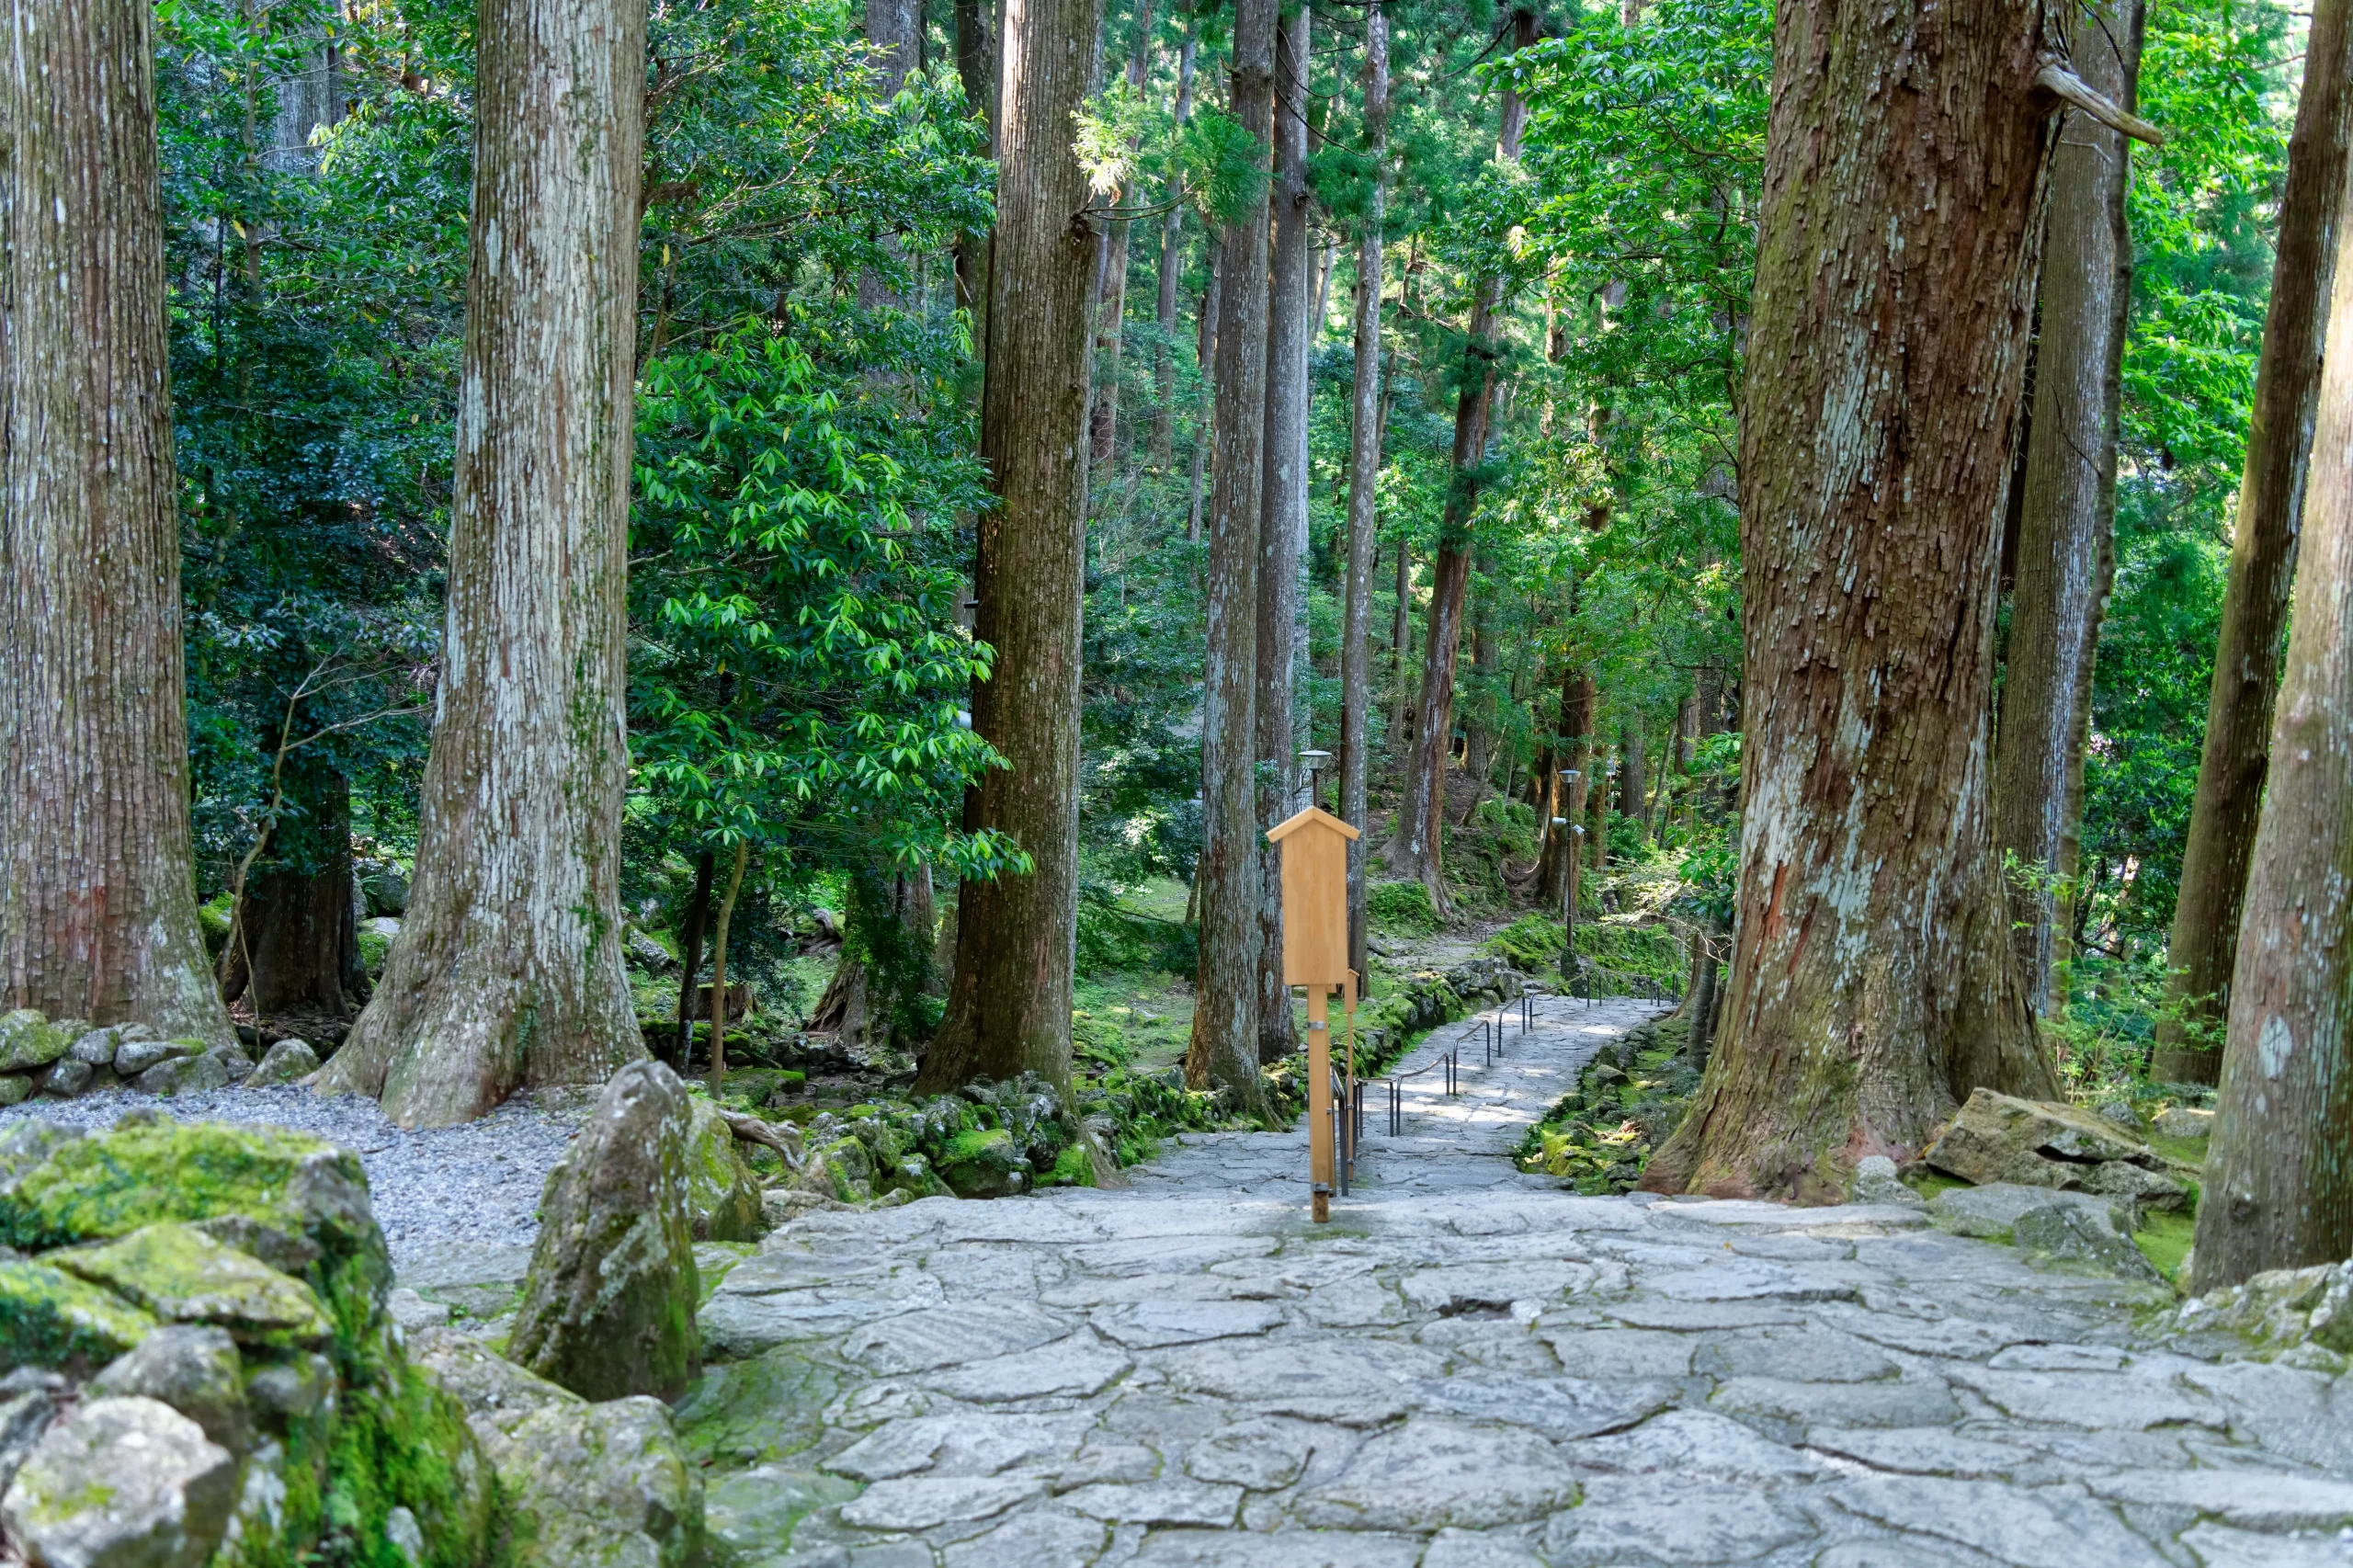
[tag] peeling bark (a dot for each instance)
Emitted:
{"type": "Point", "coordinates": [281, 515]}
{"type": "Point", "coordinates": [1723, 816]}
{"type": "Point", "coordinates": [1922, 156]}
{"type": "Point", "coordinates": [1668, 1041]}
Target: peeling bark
{"type": "Point", "coordinates": [97, 901]}
{"type": "Point", "coordinates": [1008, 1010]}
{"type": "Point", "coordinates": [1872, 981]}
{"type": "Point", "coordinates": [507, 970]}
{"type": "Point", "coordinates": [2231, 773]}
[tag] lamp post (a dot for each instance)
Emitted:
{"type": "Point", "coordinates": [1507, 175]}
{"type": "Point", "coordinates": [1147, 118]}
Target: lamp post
{"type": "Point", "coordinates": [1316, 761]}
{"type": "Point", "coordinates": [1569, 777]}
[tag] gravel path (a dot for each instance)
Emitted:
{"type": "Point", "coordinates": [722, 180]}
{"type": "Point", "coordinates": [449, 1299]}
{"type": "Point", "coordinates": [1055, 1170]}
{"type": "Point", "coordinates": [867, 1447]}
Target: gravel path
{"type": "Point", "coordinates": [1470, 1368]}
{"type": "Point", "coordinates": [475, 1184]}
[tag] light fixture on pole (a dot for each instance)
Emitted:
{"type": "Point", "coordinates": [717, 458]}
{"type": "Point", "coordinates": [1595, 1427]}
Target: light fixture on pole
{"type": "Point", "coordinates": [1316, 761]}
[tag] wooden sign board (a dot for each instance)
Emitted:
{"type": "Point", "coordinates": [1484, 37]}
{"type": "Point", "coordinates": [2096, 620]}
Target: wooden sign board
{"type": "Point", "coordinates": [1315, 897]}
{"type": "Point", "coordinates": [1316, 954]}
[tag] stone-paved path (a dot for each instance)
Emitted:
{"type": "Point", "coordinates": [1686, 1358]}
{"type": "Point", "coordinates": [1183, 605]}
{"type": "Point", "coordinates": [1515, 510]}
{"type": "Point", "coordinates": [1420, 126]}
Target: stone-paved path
{"type": "Point", "coordinates": [1472, 1369]}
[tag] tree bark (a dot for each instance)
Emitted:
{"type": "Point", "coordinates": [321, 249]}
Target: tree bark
{"type": "Point", "coordinates": [97, 899]}
{"type": "Point", "coordinates": [1205, 424]}
{"type": "Point", "coordinates": [1573, 752]}
{"type": "Point", "coordinates": [895, 29]}
{"type": "Point", "coordinates": [1283, 518]}
{"type": "Point", "coordinates": [1111, 309]}
{"type": "Point", "coordinates": [690, 955]}
{"type": "Point", "coordinates": [2231, 773]}
{"type": "Point", "coordinates": [2278, 1179]}
{"type": "Point", "coordinates": [1171, 274]}
{"type": "Point", "coordinates": [1364, 475]}
{"type": "Point", "coordinates": [1633, 775]}
{"type": "Point", "coordinates": [1224, 1051]}
{"type": "Point", "coordinates": [2067, 511]}
{"type": "Point", "coordinates": [1416, 850]}
{"type": "Point", "coordinates": [976, 72]}
{"type": "Point", "coordinates": [1873, 983]}
{"type": "Point", "coordinates": [296, 939]}
{"type": "Point", "coordinates": [507, 970]}
{"type": "Point", "coordinates": [1008, 1010]}
{"type": "Point", "coordinates": [719, 967]}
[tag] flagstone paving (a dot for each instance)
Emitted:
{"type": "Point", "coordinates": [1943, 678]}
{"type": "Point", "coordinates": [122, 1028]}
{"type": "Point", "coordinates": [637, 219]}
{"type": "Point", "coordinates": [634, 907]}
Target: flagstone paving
{"type": "Point", "coordinates": [1470, 1367]}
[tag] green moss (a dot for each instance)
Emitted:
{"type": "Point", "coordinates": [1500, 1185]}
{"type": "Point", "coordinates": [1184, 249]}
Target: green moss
{"type": "Point", "coordinates": [1402, 908]}
{"type": "Point", "coordinates": [2165, 1239]}
{"type": "Point", "coordinates": [48, 1318]}
{"type": "Point", "coordinates": [1073, 1167]}
{"type": "Point", "coordinates": [993, 1144]}
{"type": "Point", "coordinates": [181, 1274]}
{"type": "Point", "coordinates": [401, 1442]}
{"type": "Point", "coordinates": [756, 1411]}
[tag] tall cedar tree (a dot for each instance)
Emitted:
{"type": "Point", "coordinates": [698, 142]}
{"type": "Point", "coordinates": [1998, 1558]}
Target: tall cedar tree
{"type": "Point", "coordinates": [2279, 1186]}
{"type": "Point", "coordinates": [2067, 520]}
{"type": "Point", "coordinates": [1874, 983]}
{"type": "Point", "coordinates": [2231, 773]}
{"type": "Point", "coordinates": [1364, 477]}
{"type": "Point", "coordinates": [1416, 850]}
{"type": "Point", "coordinates": [98, 895]}
{"type": "Point", "coordinates": [1224, 1051]}
{"type": "Point", "coordinates": [1009, 1007]}
{"type": "Point", "coordinates": [1282, 522]}
{"type": "Point", "coordinates": [507, 970]}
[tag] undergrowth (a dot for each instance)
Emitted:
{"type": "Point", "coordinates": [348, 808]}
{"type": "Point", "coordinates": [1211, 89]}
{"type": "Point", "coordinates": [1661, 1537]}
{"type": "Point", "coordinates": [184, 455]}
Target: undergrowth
{"type": "Point", "coordinates": [1630, 1099]}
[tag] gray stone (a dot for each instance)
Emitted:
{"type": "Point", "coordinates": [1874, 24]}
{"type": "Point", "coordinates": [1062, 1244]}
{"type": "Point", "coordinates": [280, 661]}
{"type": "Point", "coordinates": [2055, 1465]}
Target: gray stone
{"type": "Point", "coordinates": [2042, 1528]}
{"type": "Point", "coordinates": [1999, 1138]}
{"type": "Point", "coordinates": [924, 1502]}
{"type": "Point", "coordinates": [1469, 1287]}
{"type": "Point", "coordinates": [16, 1088]}
{"type": "Point", "coordinates": [931, 1337]}
{"type": "Point", "coordinates": [29, 1040]}
{"type": "Point", "coordinates": [64, 1078]}
{"type": "Point", "coordinates": [1262, 1455]}
{"type": "Point", "coordinates": [2094, 1400]}
{"type": "Point", "coordinates": [2185, 1122]}
{"type": "Point", "coordinates": [724, 1202]}
{"type": "Point", "coordinates": [750, 1513]}
{"type": "Point", "coordinates": [197, 1074]}
{"type": "Point", "coordinates": [95, 1047]}
{"type": "Point", "coordinates": [1793, 1406]}
{"type": "Point", "coordinates": [29, 1398]}
{"type": "Point", "coordinates": [1992, 1210]}
{"type": "Point", "coordinates": [1280, 1549]}
{"type": "Point", "coordinates": [1876, 1182]}
{"type": "Point", "coordinates": [1735, 1279]}
{"type": "Point", "coordinates": [2148, 1189]}
{"type": "Point", "coordinates": [134, 1054]}
{"type": "Point", "coordinates": [1806, 1355]}
{"type": "Point", "coordinates": [291, 1390]}
{"type": "Point", "coordinates": [608, 1308]}
{"type": "Point", "coordinates": [1625, 1520]}
{"type": "Point", "coordinates": [1172, 1501]}
{"type": "Point", "coordinates": [122, 1483]}
{"type": "Point", "coordinates": [184, 1275]}
{"type": "Point", "coordinates": [1041, 1538]}
{"type": "Point", "coordinates": [2218, 1546]}
{"type": "Point", "coordinates": [1479, 1548]}
{"type": "Point", "coordinates": [2253, 1501]}
{"type": "Point", "coordinates": [288, 1062]}
{"type": "Point", "coordinates": [969, 1443]}
{"type": "Point", "coordinates": [1073, 1368]}
{"type": "Point", "coordinates": [1148, 1325]}
{"type": "Point", "coordinates": [413, 1311]}
{"type": "Point", "coordinates": [1929, 1450]}
{"type": "Point", "coordinates": [26, 1145]}
{"type": "Point", "coordinates": [1558, 1407]}
{"type": "Point", "coordinates": [1694, 1442]}
{"type": "Point", "coordinates": [588, 1483]}
{"type": "Point", "coordinates": [196, 1371]}
{"type": "Point", "coordinates": [2082, 1235]}
{"type": "Point", "coordinates": [1430, 1474]}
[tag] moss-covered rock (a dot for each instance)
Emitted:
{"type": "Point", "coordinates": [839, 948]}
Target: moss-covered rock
{"type": "Point", "coordinates": [722, 1193]}
{"type": "Point", "coordinates": [48, 1318]}
{"type": "Point", "coordinates": [27, 1041]}
{"type": "Point", "coordinates": [985, 1161]}
{"type": "Point", "coordinates": [182, 1275]}
{"type": "Point", "coordinates": [16, 1088]}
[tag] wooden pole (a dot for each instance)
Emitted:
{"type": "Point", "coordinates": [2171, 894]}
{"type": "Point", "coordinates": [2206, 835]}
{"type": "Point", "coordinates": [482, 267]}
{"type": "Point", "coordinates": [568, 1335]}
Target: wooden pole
{"type": "Point", "coordinates": [1318, 1099]}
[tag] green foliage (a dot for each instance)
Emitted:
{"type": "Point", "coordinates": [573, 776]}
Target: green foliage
{"type": "Point", "coordinates": [1116, 939]}
{"type": "Point", "coordinates": [1401, 908]}
{"type": "Point", "coordinates": [1222, 165]}
{"type": "Point", "coordinates": [1599, 1137]}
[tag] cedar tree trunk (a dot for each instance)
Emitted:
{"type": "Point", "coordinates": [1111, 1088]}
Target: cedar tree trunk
{"type": "Point", "coordinates": [296, 944]}
{"type": "Point", "coordinates": [1224, 1051]}
{"type": "Point", "coordinates": [1283, 521]}
{"type": "Point", "coordinates": [2067, 513]}
{"type": "Point", "coordinates": [2278, 1181]}
{"type": "Point", "coordinates": [1009, 1010]}
{"type": "Point", "coordinates": [1364, 475]}
{"type": "Point", "coordinates": [2231, 773]}
{"type": "Point", "coordinates": [690, 955]}
{"type": "Point", "coordinates": [1872, 984]}
{"type": "Point", "coordinates": [1111, 311]}
{"type": "Point", "coordinates": [1172, 273]}
{"type": "Point", "coordinates": [97, 901]}
{"type": "Point", "coordinates": [507, 970]}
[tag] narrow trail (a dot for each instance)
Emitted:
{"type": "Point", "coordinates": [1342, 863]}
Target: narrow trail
{"type": "Point", "coordinates": [1470, 1367]}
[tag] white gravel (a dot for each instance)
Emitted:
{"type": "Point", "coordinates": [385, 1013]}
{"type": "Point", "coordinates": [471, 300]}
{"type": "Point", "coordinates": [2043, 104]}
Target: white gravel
{"type": "Point", "coordinates": [478, 1183]}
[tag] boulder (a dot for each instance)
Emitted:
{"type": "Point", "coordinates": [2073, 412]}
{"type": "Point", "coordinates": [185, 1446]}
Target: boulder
{"type": "Point", "coordinates": [287, 1061]}
{"type": "Point", "coordinates": [196, 1371]}
{"type": "Point", "coordinates": [1993, 1211]}
{"type": "Point", "coordinates": [16, 1088]}
{"type": "Point", "coordinates": [95, 1047]}
{"type": "Point", "coordinates": [2185, 1122]}
{"type": "Point", "coordinates": [27, 1041]}
{"type": "Point", "coordinates": [136, 1054]}
{"type": "Point", "coordinates": [983, 1163]}
{"type": "Point", "coordinates": [609, 1306]}
{"type": "Point", "coordinates": [1876, 1182]}
{"type": "Point", "coordinates": [182, 1275]}
{"type": "Point", "coordinates": [49, 1318]}
{"type": "Point", "coordinates": [2082, 1233]}
{"type": "Point", "coordinates": [30, 1398]}
{"type": "Point", "coordinates": [722, 1193]}
{"type": "Point", "coordinates": [584, 1483]}
{"type": "Point", "coordinates": [2282, 1308]}
{"type": "Point", "coordinates": [196, 1074]}
{"type": "Point", "coordinates": [24, 1145]}
{"type": "Point", "coordinates": [64, 1078]}
{"type": "Point", "coordinates": [1998, 1138]}
{"type": "Point", "coordinates": [122, 1483]}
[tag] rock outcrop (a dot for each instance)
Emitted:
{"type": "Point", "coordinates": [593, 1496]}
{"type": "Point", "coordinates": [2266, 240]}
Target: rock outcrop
{"type": "Point", "coordinates": [1998, 1138]}
{"type": "Point", "coordinates": [608, 1308]}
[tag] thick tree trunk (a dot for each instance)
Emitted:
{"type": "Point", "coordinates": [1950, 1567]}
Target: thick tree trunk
{"type": "Point", "coordinates": [507, 970]}
{"type": "Point", "coordinates": [97, 900]}
{"type": "Point", "coordinates": [718, 1077]}
{"type": "Point", "coordinates": [1282, 519]}
{"type": "Point", "coordinates": [894, 27]}
{"type": "Point", "coordinates": [2279, 1186]}
{"type": "Point", "coordinates": [1008, 1010]}
{"type": "Point", "coordinates": [1205, 423]}
{"type": "Point", "coordinates": [1573, 753]}
{"type": "Point", "coordinates": [1224, 1051]}
{"type": "Point", "coordinates": [2231, 773]}
{"type": "Point", "coordinates": [295, 937]}
{"type": "Point", "coordinates": [1872, 981]}
{"type": "Point", "coordinates": [1486, 658]}
{"type": "Point", "coordinates": [690, 955]}
{"type": "Point", "coordinates": [1171, 274]}
{"type": "Point", "coordinates": [976, 72]}
{"type": "Point", "coordinates": [1400, 631]}
{"type": "Point", "coordinates": [1364, 475]}
{"type": "Point", "coordinates": [1418, 848]}
{"type": "Point", "coordinates": [1111, 307]}
{"type": "Point", "coordinates": [2067, 511]}
{"type": "Point", "coordinates": [1633, 776]}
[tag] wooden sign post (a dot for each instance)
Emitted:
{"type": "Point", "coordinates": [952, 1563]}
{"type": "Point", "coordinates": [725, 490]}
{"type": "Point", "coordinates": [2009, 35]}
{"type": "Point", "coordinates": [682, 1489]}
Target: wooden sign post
{"type": "Point", "coordinates": [1316, 954]}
